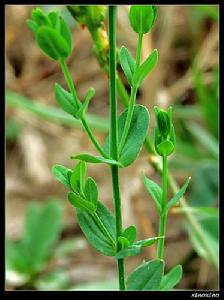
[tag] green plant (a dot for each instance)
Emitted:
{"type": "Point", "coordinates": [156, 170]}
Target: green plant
{"type": "Point", "coordinates": [165, 141]}
{"type": "Point", "coordinates": [28, 256]}
{"type": "Point", "coordinates": [100, 45]}
{"type": "Point", "coordinates": [127, 134]}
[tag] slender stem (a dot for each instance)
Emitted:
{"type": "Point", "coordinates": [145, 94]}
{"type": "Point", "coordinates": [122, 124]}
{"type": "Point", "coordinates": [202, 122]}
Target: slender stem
{"type": "Point", "coordinates": [70, 83]}
{"type": "Point", "coordinates": [131, 105]}
{"type": "Point", "coordinates": [78, 105]}
{"type": "Point", "coordinates": [104, 230]}
{"type": "Point", "coordinates": [139, 49]}
{"type": "Point", "coordinates": [93, 139]}
{"type": "Point", "coordinates": [163, 216]}
{"type": "Point", "coordinates": [113, 83]}
{"type": "Point", "coordinates": [113, 137]}
{"type": "Point", "coordinates": [164, 179]}
{"type": "Point", "coordinates": [118, 215]}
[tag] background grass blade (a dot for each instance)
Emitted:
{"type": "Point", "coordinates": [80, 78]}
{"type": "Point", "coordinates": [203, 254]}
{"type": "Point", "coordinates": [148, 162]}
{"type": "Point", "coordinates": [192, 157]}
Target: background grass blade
{"type": "Point", "coordinates": [52, 113]}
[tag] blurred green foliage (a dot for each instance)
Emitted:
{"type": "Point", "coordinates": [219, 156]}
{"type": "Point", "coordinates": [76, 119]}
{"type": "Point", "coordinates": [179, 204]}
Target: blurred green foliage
{"type": "Point", "coordinates": [12, 129]}
{"type": "Point", "coordinates": [52, 113]}
{"type": "Point", "coordinates": [198, 153]}
{"type": "Point", "coordinates": [200, 12]}
{"type": "Point", "coordinates": [41, 230]}
{"type": "Point", "coordinates": [28, 256]}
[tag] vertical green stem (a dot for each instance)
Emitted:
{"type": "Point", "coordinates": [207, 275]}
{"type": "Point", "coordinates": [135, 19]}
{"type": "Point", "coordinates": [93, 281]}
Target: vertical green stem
{"type": "Point", "coordinates": [113, 136]}
{"type": "Point", "coordinates": [139, 49]}
{"type": "Point", "coordinates": [118, 216]}
{"type": "Point", "coordinates": [131, 105]}
{"type": "Point", "coordinates": [113, 83]}
{"type": "Point", "coordinates": [163, 216]}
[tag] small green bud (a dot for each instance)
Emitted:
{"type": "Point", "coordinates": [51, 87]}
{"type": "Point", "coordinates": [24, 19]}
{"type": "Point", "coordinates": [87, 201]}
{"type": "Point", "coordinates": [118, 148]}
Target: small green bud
{"type": "Point", "coordinates": [52, 33]}
{"type": "Point", "coordinates": [142, 17]}
{"type": "Point", "coordinates": [123, 241]}
{"type": "Point", "coordinates": [164, 132]}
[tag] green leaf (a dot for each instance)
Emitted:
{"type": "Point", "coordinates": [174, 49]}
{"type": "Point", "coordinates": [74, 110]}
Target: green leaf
{"type": "Point", "coordinates": [131, 250]}
{"type": "Point", "coordinates": [53, 16]}
{"type": "Point", "coordinates": [96, 159]}
{"type": "Point", "coordinates": [123, 241]}
{"type": "Point", "coordinates": [136, 248]}
{"type": "Point", "coordinates": [163, 121]}
{"type": "Point", "coordinates": [93, 232]}
{"type": "Point", "coordinates": [15, 258]}
{"type": "Point", "coordinates": [178, 196]}
{"type": "Point", "coordinates": [172, 136]}
{"type": "Point", "coordinates": [130, 233]}
{"type": "Point", "coordinates": [39, 17]}
{"type": "Point", "coordinates": [78, 202]}
{"type": "Point", "coordinates": [32, 25]}
{"type": "Point", "coordinates": [127, 64]}
{"type": "Point", "coordinates": [91, 191]}
{"type": "Point", "coordinates": [77, 178]}
{"type": "Point", "coordinates": [136, 136]}
{"type": "Point", "coordinates": [171, 278]}
{"type": "Point", "coordinates": [142, 17]}
{"type": "Point", "coordinates": [149, 241]}
{"type": "Point", "coordinates": [52, 43]}
{"type": "Point", "coordinates": [146, 277]}
{"type": "Point", "coordinates": [145, 68]}
{"type": "Point", "coordinates": [65, 100]}
{"type": "Point", "coordinates": [155, 191]}
{"type": "Point", "coordinates": [65, 33]}
{"type": "Point", "coordinates": [41, 231]}
{"type": "Point", "coordinates": [62, 173]}
{"type": "Point", "coordinates": [165, 148]}
{"type": "Point", "coordinates": [81, 112]}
